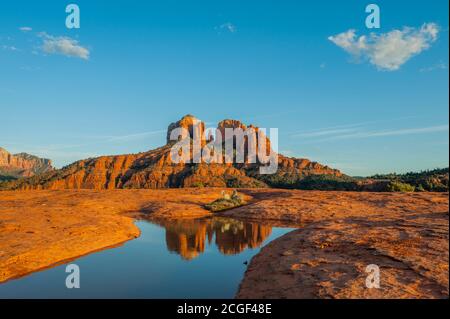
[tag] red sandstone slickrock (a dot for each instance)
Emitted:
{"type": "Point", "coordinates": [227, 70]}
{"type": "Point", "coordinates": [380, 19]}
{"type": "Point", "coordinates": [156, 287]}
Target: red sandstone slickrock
{"type": "Point", "coordinates": [405, 234]}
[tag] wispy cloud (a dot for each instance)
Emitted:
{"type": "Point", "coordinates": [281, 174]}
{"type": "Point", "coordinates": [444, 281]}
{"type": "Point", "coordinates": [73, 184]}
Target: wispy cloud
{"type": "Point", "coordinates": [363, 134]}
{"type": "Point", "coordinates": [63, 45]}
{"type": "Point", "coordinates": [30, 68]}
{"type": "Point", "coordinates": [9, 48]}
{"type": "Point", "coordinates": [93, 141]}
{"type": "Point", "coordinates": [388, 51]}
{"type": "Point", "coordinates": [104, 139]}
{"type": "Point", "coordinates": [228, 26]}
{"type": "Point", "coordinates": [344, 128]}
{"type": "Point", "coordinates": [26, 29]}
{"type": "Point", "coordinates": [325, 132]}
{"type": "Point", "coordinates": [438, 66]}
{"type": "Point", "coordinates": [132, 137]}
{"type": "Point", "coordinates": [409, 131]}
{"type": "Point", "coordinates": [62, 154]}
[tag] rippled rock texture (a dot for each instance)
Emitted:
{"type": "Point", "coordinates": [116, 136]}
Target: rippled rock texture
{"type": "Point", "coordinates": [405, 235]}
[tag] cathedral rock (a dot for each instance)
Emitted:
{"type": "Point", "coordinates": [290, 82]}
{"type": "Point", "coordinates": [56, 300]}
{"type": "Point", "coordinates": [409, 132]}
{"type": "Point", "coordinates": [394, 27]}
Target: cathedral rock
{"type": "Point", "coordinates": [155, 169]}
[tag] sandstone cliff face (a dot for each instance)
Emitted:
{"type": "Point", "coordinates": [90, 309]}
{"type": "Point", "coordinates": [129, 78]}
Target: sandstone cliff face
{"type": "Point", "coordinates": [190, 123]}
{"type": "Point", "coordinates": [155, 169]}
{"type": "Point", "coordinates": [306, 166]}
{"type": "Point", "coordinates": [22, 164]}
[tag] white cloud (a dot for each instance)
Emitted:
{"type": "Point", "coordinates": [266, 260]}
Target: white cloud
{"type": "Point", "coordinates": [319, 133]}
{"type": "Point", "coordinates": [438, 66]}
{"type": "Point", "coordinates": [229, 27]}
{"type": "Point", "coordinates": [136, 136]}
{"type": "Point", "coordinates": [420, 130]}
{"type": "Point", "coordinates": [30, 68]}
{"type": "Point", "coordinates": [388, 51]}
{"type": "Point", "coordinates": [347, 41]}
{"type": "Point", "coordinates": [63, 45]}
{"type": "Point", "coordinates": [384, 133]}
{"type": "Point", "coordinates": [9, 48]}
{"type": "Point", "coordinates": [25, 29]}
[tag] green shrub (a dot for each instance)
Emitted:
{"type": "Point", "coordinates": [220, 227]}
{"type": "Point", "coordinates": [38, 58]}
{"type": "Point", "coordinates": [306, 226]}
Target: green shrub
{"type": "Point", "coordinates": [226, 202]}
{"type": "Point", "coordinates": [198, 184]}
{"type": "Point", "coordinates": [395, 186]}
{"type": "Point", "coordinates": [420, 188]}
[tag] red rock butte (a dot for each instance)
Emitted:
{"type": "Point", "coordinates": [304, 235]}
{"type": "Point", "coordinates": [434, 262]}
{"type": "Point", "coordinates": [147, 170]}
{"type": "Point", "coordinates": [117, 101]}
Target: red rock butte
{"type": "Point", "coordinates": [155, 169]}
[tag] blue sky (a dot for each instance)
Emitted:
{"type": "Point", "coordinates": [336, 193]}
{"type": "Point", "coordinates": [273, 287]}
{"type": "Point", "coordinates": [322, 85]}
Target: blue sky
{"type": "Point", "coordinates": [363, 105]}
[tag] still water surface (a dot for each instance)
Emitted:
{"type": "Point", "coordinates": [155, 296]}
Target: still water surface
{"type": "Point", "coordinates": [201, 258]}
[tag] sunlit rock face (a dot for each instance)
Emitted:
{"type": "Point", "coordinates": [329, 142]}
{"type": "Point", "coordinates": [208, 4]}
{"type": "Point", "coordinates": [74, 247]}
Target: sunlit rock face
{"type": "Point", "coordinates": [155, 168]}
{"type": "Point", "coordinates": [251, 141]}
{"type": "Point", "coordinates": [22, 164]}
{"type": "Point", "coordinates": [188, 238]}
{"type": "Point", "coordinates": [194, 126]}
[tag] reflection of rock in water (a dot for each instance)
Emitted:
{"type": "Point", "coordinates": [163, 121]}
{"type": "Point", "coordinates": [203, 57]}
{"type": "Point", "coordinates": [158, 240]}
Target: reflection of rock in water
{"type": "Point", "coordinates": [187, 237]}
{"type": "Point", "coordinates": [234, 236]}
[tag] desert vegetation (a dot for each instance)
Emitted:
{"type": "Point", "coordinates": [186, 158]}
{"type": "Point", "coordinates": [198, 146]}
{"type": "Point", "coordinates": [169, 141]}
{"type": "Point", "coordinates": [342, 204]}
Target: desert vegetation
{"type": "Point", "coordinates": [226, 201]}
{"type": "Point", "coordinates": [430, 180]}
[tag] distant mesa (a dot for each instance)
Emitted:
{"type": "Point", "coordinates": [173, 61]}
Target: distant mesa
{"type": "Point", "coordinates": [14, 166]}
{"type": "Point", "coordinates": [155, 169]}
